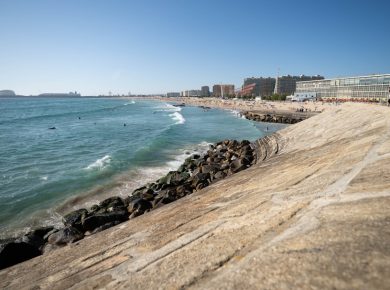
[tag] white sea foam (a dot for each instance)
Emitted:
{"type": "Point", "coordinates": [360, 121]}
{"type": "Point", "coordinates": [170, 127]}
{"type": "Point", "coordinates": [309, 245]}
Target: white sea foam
{"type": "Point", "coordinates": [236, 113]}
{"type": "Point", "coordinates": [173, 108]}
{"type": "Point", "coordinates": [200, 148]}
{"type": "Point", "coordinates": [176, 116]}
{"type": "Point", "coordinates": [168, 108]}
{"type": "Point", "coordinates": [43, 178]}
{"type": "Point", "coordinates": [100, 163]}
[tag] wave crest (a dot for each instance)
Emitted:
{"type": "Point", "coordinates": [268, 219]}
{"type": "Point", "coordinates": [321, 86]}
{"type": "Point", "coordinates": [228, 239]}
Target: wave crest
{"type": "Point", "coordinates": [176, 116]}
{"type": "Point", "coordinates": [99, 164]}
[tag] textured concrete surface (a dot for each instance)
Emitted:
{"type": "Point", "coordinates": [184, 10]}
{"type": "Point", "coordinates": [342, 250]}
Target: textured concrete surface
{"type": "Point", "coordinates": [314, 216]}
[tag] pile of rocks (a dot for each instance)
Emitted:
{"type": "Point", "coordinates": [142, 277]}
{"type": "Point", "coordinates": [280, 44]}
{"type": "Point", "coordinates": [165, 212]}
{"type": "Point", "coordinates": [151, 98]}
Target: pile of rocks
{"type": "Point", "coordinates": [286, 118]}
{"type": "Point", "coordinates": [222, 159]}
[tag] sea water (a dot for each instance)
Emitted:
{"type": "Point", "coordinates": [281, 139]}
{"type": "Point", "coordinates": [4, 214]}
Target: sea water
{"type": "Point", "coordinates": [57, 155]}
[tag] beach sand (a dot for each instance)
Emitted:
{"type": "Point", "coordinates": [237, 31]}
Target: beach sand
{"type": "Point", "coordinates": [242, 105]}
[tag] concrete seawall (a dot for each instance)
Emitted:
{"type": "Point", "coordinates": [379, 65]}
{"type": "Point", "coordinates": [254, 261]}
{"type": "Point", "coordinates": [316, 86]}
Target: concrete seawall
{"type": "Point", "coordinates": [315, 213]}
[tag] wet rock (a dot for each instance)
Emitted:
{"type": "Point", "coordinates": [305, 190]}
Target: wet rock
{"type": "Point", "coordinates": [65, 236]}
{"type": "Point", "coordinates": [140, 205]}
{"type": "Point", "coordinates": [113, 202]}
{"type": "Point", "coordinates": [16, 252]}
{"type": "Point", "coordinates": [94, 208]}
{"type": "Point", "coordinates": [42, 232]}
{"type": "Point", "coordinates": [32, 239]}
{"type": "Point", "coordinates": [108, 205]}
{"type": "Point", "coordinates": [99, 219]}
{"type": "Point", "coordinates": [74, 218]}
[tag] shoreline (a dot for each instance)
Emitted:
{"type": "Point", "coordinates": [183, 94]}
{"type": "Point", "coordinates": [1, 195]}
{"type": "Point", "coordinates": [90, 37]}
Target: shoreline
{"type": "Point", "coordinates": [78, 204]}
{"type": "Point", "coordinates": [313, 215]}
{"type": "Point", "coordinates": [243, 105]}
{"type": "Point", "coordinates": [198, 171]}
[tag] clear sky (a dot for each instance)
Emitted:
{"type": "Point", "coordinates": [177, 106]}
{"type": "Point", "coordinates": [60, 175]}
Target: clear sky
{"type": "Point", "coordinates": [155, 46]}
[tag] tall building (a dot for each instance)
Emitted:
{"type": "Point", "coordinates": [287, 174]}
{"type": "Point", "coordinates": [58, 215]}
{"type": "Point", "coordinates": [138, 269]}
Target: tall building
{"type": "Point", "coordinates": [286, 85]}
{"type": "Point", "coordinates": [264, 87]}
{"type": "Point", "coordinates": [374, 88]}
{"type": "Point", "coordinates": [205, 91]}
{"type": "Point", "coordinates": [247, 91]}
{"type": "Point", "coordinates": [223, 90]}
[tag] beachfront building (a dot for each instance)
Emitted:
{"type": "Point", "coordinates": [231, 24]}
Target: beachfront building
{"type": "Point", "coordinates": [373, 88]}
{"type": "Point", "coordinates": [173, 94]}
{"type": "Point", "coordinates": [286, 85]}
{"type": "Point", "coordinates": [205, 91]}
{"type": "Point", "coordinates": [247, 91]}
{"type": "Point", "coordinates": [223, 90]}
{"type": "Point", "coordinates": [191, 93]}
{"type": "Point", "coordinates": [264, 87]}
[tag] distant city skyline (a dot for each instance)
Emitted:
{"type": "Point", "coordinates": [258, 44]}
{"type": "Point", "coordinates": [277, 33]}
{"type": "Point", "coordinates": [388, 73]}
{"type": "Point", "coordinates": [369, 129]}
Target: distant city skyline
{"type": "Point", "coordinates": [147, 47]}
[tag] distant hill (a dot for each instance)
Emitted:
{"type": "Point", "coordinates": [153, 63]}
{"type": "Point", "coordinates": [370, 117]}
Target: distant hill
{"type": "Point", "coordinates": [7, 93]}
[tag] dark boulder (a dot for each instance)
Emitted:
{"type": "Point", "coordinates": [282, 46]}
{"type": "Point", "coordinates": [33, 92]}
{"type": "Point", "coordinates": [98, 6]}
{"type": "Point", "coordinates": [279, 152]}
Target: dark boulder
{"type": "Point", "coordinates": [148, 195]}
{"type": "Point", "coordinates": [42, 232]}
{"type": "Point", "coordinates": [94, 221]}
{"type": "Point", "coordinates": [180, 178]}
{"type": "Point", "coordinates": [65, 236]}
{"type": "Point", "coordinates": [74, 218]}
{"type": "Point", "coordinates": [33, 240]}
{"type": "Point", "coordinates": [200, 178]}
{"type": "Point", "coordinates": [114, 201]}
{"type": "Point", "coordinates": [164, 197]}
{"type": "Point", "coordinates": [140, 205]}
{"type": "Point", "coordinates": [16, 252]}
{"type": "Point", "coordinates": [245, 142]}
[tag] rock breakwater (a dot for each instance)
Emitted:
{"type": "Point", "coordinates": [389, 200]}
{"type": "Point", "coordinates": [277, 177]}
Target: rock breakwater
{"type": "Point", "coordinates": [277, 117]}
{"type": "Point", "coordinates": [223, 159]}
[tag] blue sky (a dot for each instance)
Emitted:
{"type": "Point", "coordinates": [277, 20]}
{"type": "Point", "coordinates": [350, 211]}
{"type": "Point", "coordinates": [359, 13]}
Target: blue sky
{"type": "Point", "coordinates": [145, 46]}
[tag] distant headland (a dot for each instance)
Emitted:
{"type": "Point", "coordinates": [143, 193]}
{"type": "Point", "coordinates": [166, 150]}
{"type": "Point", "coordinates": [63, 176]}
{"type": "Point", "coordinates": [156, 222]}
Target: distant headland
{"type": "Point", "coordinates": [10, 93]}
{"type": "Point", "coordinates": [7, 93]}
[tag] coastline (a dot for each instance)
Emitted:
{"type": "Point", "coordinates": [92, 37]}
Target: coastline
{"type": "Point", "coordinates": [121, 184]}
{"type": "Point", "coordinates": [242, 105]}
{"type": "Point", "coordinates": [198, 171]}
{"type": "Point", "coordinates": [101, 194]}
{"type": "Point", "coordinates": [315, 214]}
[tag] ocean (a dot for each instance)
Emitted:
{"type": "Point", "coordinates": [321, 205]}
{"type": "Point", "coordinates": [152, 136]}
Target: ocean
{"type": "Point", "coordinates": [100, 147]}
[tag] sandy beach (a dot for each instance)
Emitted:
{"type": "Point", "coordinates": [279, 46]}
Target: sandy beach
{"type": "Point", "coordinates": [243, 105]}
